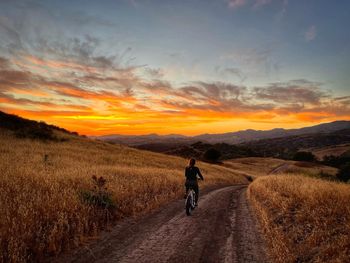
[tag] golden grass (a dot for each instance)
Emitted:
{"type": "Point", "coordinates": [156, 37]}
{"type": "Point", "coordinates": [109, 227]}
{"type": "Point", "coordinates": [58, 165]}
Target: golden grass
{"type": "Point", "coordinates": [255, 166]}
{"type": "Point", "coordinates": [258, 166]}
{"type": "Point", "coordinates": [41, 208]}
{"type": "Point", "coordinates": [309, 169]}
{"type": "Point", "coordinates": [304, 219]}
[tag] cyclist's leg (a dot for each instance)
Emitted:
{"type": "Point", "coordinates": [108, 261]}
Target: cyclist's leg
{"type": "Point", "coordinates": [196, 190]}
{"type": "Point", "coordinates": [186, 189]}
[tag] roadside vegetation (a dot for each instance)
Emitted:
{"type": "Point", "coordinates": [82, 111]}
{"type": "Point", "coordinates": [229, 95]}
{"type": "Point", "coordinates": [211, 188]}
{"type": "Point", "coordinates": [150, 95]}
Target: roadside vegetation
{"type": "Point", "coordinates": [55, 194]}
{"type": "Point", "coordinates": [303, 219]}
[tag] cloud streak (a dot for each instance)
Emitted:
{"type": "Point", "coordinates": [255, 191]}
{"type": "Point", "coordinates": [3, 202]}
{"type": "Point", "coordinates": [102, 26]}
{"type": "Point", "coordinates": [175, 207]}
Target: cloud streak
{"type": "Point", "coordinates": [231, 71]}
{"type": "Point", "coordinates": [297, 91]}
{"type": "Point", "coordinates": [310, 33]}
{"type": "Point", "coordinates": [234, 4]}
{"type": "Point", "coordinates": [255, 4]}
{"type": "Point", "coordinates": [260, 3]}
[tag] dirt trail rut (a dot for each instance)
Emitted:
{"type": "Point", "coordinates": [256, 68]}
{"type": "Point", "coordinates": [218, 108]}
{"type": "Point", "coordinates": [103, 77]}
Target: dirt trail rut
{"type": "Point", "coordinates": [221, 229]}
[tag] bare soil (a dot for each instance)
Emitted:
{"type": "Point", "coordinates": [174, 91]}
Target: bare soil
{"type": "Point", "coordinates": [221, 229]}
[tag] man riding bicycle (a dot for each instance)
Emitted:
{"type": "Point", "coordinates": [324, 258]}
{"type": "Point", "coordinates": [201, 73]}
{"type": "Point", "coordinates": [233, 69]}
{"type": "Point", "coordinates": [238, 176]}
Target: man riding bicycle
{"type": "Point", "coordinates": [191, 173]}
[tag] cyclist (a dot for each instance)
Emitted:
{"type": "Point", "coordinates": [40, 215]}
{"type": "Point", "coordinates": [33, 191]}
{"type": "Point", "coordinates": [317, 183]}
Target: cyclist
{"type": "Point", "coordinates": [191, 173]}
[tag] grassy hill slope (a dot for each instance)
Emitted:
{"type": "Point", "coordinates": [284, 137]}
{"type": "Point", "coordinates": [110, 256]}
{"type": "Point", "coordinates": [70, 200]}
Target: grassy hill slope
{"type": "Point", "coordinates": [50, 203]}
{"type": "Point", "coordinates": [304, 219]}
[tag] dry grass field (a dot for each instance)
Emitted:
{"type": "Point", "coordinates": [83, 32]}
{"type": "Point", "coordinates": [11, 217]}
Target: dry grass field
{"type": "Point", "coordinates": [47, 190]}
{"type": "Point", "coordinates": [304, 219]}
{"type": "Point", "coordinates": [335, 150]}
{"type": "Point", "coordinates": [257, 166]}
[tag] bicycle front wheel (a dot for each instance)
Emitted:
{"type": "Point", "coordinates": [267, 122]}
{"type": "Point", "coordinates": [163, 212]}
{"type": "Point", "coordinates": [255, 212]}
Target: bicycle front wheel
{"type": "Point", "coordinates": [189, 205]}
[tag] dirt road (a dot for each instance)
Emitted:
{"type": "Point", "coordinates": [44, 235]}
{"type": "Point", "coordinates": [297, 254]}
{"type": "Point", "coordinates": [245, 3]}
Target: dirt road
{"type": "Point", "coordinates": [280, 169]}
{"type": "Point", "coordinates": [221, 229]}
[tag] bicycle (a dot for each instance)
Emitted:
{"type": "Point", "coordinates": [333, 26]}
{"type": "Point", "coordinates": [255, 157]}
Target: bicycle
{"type": "Point", "coordinates": [190, 203]}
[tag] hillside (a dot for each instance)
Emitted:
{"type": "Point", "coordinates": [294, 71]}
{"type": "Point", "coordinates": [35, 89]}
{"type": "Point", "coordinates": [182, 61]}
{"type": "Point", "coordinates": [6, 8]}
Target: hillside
{"type": "Point", "coordinates": [24, 128]}
{"type": "Point", "coordinates": [332, 150]}
{"type": "Point", "coordinates": [198, 150]}
{"type": "Point", "coordinates": [286, 147]}
{"type": "Point", "coordinates": [56, 193]}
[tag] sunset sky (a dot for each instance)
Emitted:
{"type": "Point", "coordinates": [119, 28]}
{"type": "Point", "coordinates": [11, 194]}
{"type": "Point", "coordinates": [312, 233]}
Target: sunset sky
{"type": "Point", "coordinates": [186, 67]}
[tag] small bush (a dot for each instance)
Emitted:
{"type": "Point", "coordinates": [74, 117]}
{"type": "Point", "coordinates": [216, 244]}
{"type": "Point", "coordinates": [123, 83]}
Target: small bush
{"type": "Point", "coordinates": [100, 200]}
{"type": "Point", "coordinates": [344, 173]}
{"type": "Point", "coordinates": [304, 156]}
{"type": "Point", "coordinates": [212, 155]}
{"type": "Point", "coordinates": [99, 196]}
{"type": "Point", "coordinates": [326, 176]}
{"type": "Point", "coordinates": [39, 132]}
{"type": "Point", "coordinates": [336, 161]}
{"type": "Point", "coordinates": [250, 178]}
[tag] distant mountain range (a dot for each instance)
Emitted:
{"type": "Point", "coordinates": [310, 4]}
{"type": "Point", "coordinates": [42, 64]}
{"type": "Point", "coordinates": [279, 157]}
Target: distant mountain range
{"type": "Point", "coordinates": [136, 140]}
{"type": "Point", "coordinates": [278, 143]}
{"type": "Point", "coordinates": [282, 147]}
{"type": "Point", "coordinates": [172, 140]}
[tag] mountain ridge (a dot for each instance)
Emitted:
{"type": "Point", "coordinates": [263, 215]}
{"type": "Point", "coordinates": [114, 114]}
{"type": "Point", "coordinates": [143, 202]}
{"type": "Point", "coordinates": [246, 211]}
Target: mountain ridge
{"type": "Point", "coordinates": [229, 137]}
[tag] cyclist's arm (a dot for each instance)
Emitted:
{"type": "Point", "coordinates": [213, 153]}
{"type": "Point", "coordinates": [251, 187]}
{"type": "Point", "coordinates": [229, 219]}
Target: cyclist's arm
{"type": "Point", "coordinates": [200, 175]}
{"type": "Point", "coordinates": [186, 173]}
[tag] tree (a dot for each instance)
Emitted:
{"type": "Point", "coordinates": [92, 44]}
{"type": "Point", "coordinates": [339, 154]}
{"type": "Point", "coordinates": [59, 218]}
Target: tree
{"type": "Point", "coordinates": [212, 155]}
{"type": "Point", "coordinates": [344, 173]}
{"type": "Point", "coordinates": [304, 156]}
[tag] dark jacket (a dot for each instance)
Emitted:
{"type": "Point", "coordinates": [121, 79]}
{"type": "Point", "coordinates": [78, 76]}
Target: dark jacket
{"type": "Point", "coordinates": [191, 173]}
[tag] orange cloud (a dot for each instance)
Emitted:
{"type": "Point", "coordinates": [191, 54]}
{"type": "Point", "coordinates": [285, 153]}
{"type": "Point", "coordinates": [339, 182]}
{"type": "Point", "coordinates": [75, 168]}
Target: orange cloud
{"type": "Point", "coordinates": [56, 64]}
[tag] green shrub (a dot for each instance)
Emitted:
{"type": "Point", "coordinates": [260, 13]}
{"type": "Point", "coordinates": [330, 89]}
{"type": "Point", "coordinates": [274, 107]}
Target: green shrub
{"type": "Point", "coordinates": [99, 196]}
{"type": "Point", "coordinates": [99, 200]}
